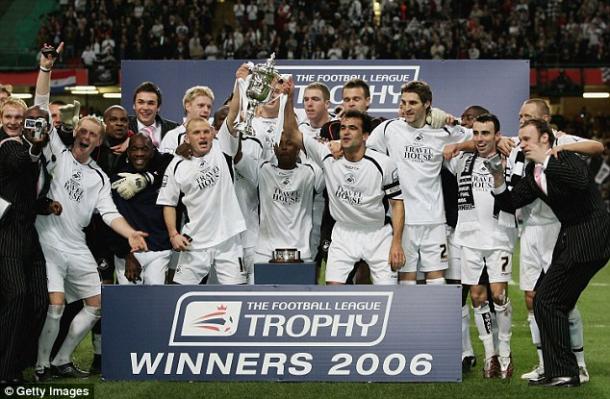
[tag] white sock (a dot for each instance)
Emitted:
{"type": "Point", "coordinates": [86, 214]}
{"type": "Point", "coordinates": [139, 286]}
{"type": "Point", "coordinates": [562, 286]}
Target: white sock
{"type": "Point", "coordinates": [96, 341]}
{"type": "Point", "coordinates": [407, 282]}
{"type": "Point", "coordinates": [466, 342]}
{"type": "Point", "coordinates": [576, 336]}
{"type": "Point", "coordinates": [81, 325]}
{"type": "Point", "coordinates": [436, 281]}
{"type": "Point", "coordinates": [482, 318]}
{"type": "Point", "coordinates": [535, 331]}
{"type": "Point", "coordinates": [504, 317]}
{"type": "Point", "coordinates": [48, 336]}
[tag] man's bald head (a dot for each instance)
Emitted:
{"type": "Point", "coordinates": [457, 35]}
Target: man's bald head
{"type": "Point", "coordinates": [114, 107]}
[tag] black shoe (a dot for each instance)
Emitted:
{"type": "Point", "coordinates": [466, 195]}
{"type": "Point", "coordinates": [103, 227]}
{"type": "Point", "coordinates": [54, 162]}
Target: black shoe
{"type": "Point", "coordinates": [43, 375]}
{"type": "Point", "coordinates": [68, 370]}
{"type": "Point", "coordinates": [12, 381]}
{"type": "Point", "coordinates": [563, 382]}
{"type": "Point", "coordinates": [539, 380]}
{"type": "Point", "coordinates": [468, 363]}
{"type": "Point", "coordinates": [96, 364]}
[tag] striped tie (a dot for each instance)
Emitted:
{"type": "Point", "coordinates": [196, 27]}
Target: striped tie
{"type": "Point", "coordinates": [150, 132]}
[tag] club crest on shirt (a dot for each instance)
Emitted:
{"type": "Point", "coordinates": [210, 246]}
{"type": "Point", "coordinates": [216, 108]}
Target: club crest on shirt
{"type": "Point", "coordinates": [285, 182]}
{"type": "Point", "coordinates": [77, 175]}
{"type": "Point", "coordinates": [349, 178]}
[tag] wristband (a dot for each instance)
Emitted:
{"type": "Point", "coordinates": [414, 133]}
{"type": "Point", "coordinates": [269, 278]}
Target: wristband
{"type": "Point", "coordinates": [43, 69]}
{"type": "Point", "coordinates": [174, 235]}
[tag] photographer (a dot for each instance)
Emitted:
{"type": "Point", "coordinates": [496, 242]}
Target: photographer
{"type": "Point", "coordinates": [23, 283]}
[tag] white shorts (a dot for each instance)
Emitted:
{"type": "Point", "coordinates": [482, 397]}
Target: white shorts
{"type": "Point", "coordinates": [74, 274]}
{"type": "Point", "coordinates": [349, 246]}
{"type": "Point", "coordinates": [425, 248]}
{"type": "Point", "coordinates": [537, 244]}
{"type": "Point", "coordinates": [154, 266]}
{"type": "Point", "coordinates": [498, 262]}
{"type": "Point", "coordinates": [454, 269]}
{"type": "Point", "coordinates": [226, 258]}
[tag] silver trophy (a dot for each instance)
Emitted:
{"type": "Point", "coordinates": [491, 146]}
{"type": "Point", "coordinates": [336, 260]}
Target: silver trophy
{"type": "Point", "coordinates": [259, 91]}
{"type": "Point", "coordinates": [286, 255]}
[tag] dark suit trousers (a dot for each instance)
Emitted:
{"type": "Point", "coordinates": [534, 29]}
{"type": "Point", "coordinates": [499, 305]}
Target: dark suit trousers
{"type": "Point", "coordinates": [555, 298]}
{"type": "Point", "coordinates": [23, 306]}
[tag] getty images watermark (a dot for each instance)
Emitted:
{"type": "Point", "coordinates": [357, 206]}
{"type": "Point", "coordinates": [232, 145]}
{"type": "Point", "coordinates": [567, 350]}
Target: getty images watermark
{"type": "Point", "coordinates": [55, 391]}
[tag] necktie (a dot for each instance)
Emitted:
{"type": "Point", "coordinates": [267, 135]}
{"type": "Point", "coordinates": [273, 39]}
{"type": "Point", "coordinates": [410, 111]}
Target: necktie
{"type": "Point", "coordinates": [150, 132]}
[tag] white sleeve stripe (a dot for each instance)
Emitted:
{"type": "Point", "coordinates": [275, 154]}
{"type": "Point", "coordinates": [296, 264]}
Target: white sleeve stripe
{"type": "Point", "coordinates": [109, 213]}
{"type": "Point", "coordinates": [167, 203]}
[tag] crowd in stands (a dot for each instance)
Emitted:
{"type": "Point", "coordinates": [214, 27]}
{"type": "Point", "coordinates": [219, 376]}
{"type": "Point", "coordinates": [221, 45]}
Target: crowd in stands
{"type": "Point", "coordinates": [545, 32]}
{"type": "Point", "coordinates": [99, 33]}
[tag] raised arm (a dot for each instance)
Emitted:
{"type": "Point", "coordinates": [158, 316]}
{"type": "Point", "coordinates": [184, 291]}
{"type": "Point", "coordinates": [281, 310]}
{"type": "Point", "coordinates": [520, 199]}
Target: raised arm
{"type": "Point", "coordinates": [291, 127]}
{"type": "Point", "coordinates": [241, 73]}
{"type": "Point", "coordinates": [43, 81]}
{"type": "Point", "coordinates": [585, 147]}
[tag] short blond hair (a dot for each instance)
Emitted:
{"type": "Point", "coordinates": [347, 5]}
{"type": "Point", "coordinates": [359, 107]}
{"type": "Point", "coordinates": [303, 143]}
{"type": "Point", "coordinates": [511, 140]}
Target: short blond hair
{"type": "Point", "coordinates": [195, 92]}
{"type": "Point", "coordinates": [95, 120]}
{"type": "Point", "coordinates": [541, 104]}
{"type": "Point", "coordinates": [13, 102]}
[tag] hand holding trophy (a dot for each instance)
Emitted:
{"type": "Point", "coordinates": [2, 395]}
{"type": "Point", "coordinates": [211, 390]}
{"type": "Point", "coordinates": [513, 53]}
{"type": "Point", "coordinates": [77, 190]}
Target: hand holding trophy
{"type": "Point", "coordinates": [257, 89]}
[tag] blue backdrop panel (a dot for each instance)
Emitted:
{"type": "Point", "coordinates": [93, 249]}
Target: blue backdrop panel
{"type": "Point", "coordinates": [499, 85]}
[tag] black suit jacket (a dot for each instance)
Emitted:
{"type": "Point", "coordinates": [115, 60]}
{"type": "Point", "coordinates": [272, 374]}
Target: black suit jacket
{"type": "Point", "coordinates": [166, 124]}
{"type": "Point", "coordinates": [574, 198]}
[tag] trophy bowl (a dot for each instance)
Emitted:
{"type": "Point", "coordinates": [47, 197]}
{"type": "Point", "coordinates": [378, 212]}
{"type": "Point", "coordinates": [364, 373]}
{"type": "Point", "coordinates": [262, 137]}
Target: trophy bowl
{"type": "Point", "coordinates": [259, 90]}
{"type": "Point", "coordinates": [286, 255]}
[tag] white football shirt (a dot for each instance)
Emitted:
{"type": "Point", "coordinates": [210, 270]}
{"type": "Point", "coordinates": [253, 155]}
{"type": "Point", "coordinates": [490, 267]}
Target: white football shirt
{"type": "Point", "coordinates": [81, 189]}
{"type": "Point", "coordinates": [286, 200]}
{"type": "Point", "coordinates": [264, 129]}
{"type": "Point", "coordinates": [356, 190]}
{"type": "Point", "coordinates": [418, 154]}
{"type": "Point", "coordinates": [306, 128]}
{"type": "Point", "coordinates": [173, 139]}
{"type": "Point", "coordinates": [246, 189]}
{"type": "Point", "coordinates": [209, 194]}
{"type": "Point", "coordinates": [486, 233]}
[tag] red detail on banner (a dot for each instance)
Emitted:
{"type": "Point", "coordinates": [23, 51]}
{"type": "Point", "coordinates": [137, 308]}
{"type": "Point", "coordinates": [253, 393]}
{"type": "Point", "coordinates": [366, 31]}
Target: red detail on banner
{"type": "Point", "coordinates": [28, 78]}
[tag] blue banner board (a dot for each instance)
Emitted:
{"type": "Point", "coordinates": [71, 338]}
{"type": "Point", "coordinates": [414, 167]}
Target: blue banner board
{"type": "Point", "coordinates": [282, 333]}
{"type": "Point", "coordinates": [285, 273]}
{"type": "Point", "coordinates": [498, 85]}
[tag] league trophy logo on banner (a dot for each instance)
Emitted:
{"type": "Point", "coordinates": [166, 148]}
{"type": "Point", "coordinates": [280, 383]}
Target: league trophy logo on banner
{"type": "Point", "coordinates": [257, 89]}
